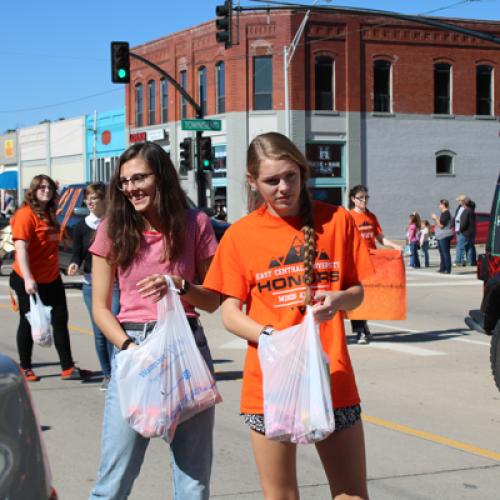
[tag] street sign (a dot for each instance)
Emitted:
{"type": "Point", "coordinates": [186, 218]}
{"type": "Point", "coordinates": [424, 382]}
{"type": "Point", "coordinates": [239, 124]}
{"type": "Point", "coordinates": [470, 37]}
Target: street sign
{"type": "Point", "coordinates": [200, 125]}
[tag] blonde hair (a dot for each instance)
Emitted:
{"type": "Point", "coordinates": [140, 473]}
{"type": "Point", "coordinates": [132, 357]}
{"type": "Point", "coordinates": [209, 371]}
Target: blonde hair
{"type": "Point", "coordinates": [275, 146]}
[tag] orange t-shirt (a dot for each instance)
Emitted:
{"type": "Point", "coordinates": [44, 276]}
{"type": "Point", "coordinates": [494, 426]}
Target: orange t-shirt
{"type": "Point", "coordinates": [368, 225]}
{"type": "Point", "coordinates": [260, 261]}
{"type": "Point", "coordinates": [43, 245]}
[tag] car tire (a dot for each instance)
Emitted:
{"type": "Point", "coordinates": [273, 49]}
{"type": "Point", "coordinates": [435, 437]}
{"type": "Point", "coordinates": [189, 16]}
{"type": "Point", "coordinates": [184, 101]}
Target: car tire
{"type": "Point", "coordinates": [433, 243]}
{"type": "Point", "coordinates": [495, 354]}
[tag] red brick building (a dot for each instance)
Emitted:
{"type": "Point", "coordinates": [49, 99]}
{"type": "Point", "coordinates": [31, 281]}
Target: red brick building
{"type": "Point", "coordinates": [409, 109]}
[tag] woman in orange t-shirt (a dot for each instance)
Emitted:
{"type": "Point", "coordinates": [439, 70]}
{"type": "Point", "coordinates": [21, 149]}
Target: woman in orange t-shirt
{"type": "Point", "coordinates": [371, 232]}
{"type": "Point", "coordinates": [36, 236]}
{"type": "Point", "coordinates": [272, 261]}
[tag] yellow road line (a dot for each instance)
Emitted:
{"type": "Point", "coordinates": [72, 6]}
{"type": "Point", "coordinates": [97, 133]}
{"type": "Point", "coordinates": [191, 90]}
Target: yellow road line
{"type": "Point", "coordinates": [80, 330]}
{"type": "Point", "coordinates": [432, 437]}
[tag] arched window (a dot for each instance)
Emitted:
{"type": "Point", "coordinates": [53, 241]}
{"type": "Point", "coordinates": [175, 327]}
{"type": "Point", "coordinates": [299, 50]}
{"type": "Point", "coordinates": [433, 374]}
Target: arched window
{"type": "Point", "coordinates": [324, 83]}
{"type": "Point", "coordinates": [444, 163]}
{"type": "Point", "coordinates": [138, 105]}
{"type": "Point", "coordinates": [382, 86]}
{"type": "Point", "coordinates": [220, 72]}
{"type": "Point", "coordinates": [442, 89]}
{"type": "Point", "coordinates": [202, 89]}
{"type": "Point", "coordinates": [484, 90]}
{"type": "Point", "coordinates": [164, 100]}
{"type": "Point", "coordinates": [152, 102]}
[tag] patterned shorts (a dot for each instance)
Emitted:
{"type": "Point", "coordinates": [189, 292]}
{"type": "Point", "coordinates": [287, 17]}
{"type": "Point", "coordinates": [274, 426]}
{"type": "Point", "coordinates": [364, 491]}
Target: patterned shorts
{"type": "Point", "coordinates": [344, 418]}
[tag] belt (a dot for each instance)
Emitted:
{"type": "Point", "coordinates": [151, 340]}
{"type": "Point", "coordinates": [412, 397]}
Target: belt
{"type": "Point", "coordinates": [193, 321]}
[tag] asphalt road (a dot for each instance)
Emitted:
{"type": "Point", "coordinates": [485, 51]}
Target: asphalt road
{"type": "Point", "coordinates": [431, 409]}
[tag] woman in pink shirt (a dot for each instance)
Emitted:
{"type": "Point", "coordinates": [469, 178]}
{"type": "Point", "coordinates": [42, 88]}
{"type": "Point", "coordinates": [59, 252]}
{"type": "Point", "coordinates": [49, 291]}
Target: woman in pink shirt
{"type": "Point", "coordinates": [149, 232]}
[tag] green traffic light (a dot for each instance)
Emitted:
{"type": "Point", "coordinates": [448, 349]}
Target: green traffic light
{"type": "Point", "coordinates": [206, 163]}
{"type": "Point", "coordinates": [122, 73]}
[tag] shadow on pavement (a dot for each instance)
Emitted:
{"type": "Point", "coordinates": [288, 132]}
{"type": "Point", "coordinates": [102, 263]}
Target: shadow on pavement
{"type": "Point", "coordinates": [229, 375]}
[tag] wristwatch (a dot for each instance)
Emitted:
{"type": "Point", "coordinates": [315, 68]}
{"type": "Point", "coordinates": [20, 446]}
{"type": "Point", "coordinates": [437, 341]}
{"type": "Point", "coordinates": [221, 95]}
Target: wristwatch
{"type": "Point", "coordinates": [126, 343]}
{"type": "Point", "coordinates": [267, 330]}
{"type": "Point", "coordinates": [184, 287]}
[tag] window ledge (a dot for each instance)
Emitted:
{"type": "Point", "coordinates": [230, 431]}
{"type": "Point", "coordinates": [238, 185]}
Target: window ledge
{"type": "Point", "coordinates": [443, 116]}
{"type": "Point", "coordinates": [445, 175]}
{"type": "Point", "coordinates": [384, 114]}
{"type": "Point", "coordinates": [485, 117]}
{"type": "Point", "coordinates": [325, 112]}
{"type": "Point", "coordinates": [263, 112]}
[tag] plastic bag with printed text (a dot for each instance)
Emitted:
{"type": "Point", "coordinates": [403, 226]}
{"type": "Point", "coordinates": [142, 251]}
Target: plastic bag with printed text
{"type": "Point", "coordinates": [39, 318]}
{"type": "Point", "coordinates": [165, 381]}
{"type": "Point", "coordinates": [297, 398]}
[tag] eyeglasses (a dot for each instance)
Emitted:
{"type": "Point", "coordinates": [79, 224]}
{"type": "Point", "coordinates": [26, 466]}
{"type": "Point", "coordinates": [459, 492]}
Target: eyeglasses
{"type": "Point", "coordinates": [362, 198]}
{"type": "Point", "coordinates": [45, 188]}
{"type": "Point", "coordinates": [137, 180]}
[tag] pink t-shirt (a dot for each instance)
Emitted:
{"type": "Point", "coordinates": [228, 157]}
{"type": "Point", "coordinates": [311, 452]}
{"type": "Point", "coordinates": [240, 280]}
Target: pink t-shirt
{"type": "Point", "coordinates": [200, 244]}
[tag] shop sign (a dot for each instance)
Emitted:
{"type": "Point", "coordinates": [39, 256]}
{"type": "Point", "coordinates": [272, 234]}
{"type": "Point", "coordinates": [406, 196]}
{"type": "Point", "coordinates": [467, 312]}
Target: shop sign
{"type": "Point", "coordinates": [157, 135]}
{"type": "Point", "coordinates": [136, 137]}
{"type": "Point", "coordinates": [325, 159]}
{"type": "Point", "coordinates": [8, 148]}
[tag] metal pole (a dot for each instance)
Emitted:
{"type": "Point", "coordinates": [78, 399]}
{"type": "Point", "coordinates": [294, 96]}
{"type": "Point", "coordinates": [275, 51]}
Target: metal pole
{"type": "Point", "coordinates": [94, 149]}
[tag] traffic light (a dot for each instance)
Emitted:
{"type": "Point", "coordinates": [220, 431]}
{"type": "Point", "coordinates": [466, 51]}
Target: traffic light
{"type": "Point", "coordinates": [206, 153]}
{"type": "Point", "coordinates": [186, 155]}
{"type": "Point", "coordinates": [223, 23]}
{"type": "Point", "coordinates": [120, 62]}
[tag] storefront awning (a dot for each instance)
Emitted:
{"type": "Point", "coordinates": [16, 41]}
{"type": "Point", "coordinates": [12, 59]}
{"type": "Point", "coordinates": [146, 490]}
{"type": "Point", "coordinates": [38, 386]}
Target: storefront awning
{"type": "Point", "coordinates": [8, 180]}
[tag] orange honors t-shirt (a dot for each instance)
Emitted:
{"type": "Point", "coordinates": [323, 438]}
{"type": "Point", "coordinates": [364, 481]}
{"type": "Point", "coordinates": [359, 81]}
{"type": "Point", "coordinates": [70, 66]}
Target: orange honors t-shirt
{"type": "Point", "coordinates": [43, 245]}
{"type": "Point", "coordinates": [260, 261]}
{"type": "Point", "coordinates": [368, 225]}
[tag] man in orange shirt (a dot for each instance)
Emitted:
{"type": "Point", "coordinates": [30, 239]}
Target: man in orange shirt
{"type": "Point", "coordinates": [285, 254]}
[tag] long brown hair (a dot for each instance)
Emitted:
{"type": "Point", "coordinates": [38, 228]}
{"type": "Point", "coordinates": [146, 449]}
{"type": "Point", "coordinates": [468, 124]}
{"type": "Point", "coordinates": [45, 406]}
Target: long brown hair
{"type": "Point", "coordinates": [275, 146]}
{"type": "Point", "coordinates": [126, 225]}
{"type": "Point", "coordinates": [47, 214]}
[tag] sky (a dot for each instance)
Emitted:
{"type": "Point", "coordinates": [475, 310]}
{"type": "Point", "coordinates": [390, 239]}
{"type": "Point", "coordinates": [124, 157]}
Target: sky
{"type": "Point", "coordinates": [55, 55]}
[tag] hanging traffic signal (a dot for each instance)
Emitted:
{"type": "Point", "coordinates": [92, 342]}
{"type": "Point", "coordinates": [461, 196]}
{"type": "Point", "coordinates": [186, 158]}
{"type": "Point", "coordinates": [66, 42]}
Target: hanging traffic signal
{"type": "Point", "coordinates": [206, 153]}
{"type": "Point", "coordinates": [120, 62]}
{"type": "Point", "coordinates": [223, 23]}
{"type": "Point", "coordinates": [186, 154]}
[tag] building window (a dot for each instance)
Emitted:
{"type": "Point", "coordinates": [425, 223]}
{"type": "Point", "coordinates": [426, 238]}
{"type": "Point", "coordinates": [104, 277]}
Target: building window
{"type": "Point", "coordinates": [323, 83]}
{"type": "Point", "coordinates": [220, 72]}
{"type": "Point", "coordinates": [202, 89]}
{"type": "Point", "coordinates": [164, 100]}
{"type": "Point", "coordinates": [262, 83]}
{"type": "Point", "coordinates": [484, 90]}
{"type": "Point", "coordinates": [382, 86]}
{"type": "Point", "coordinates": [183, 100]}
{"type": "Point", "coordinates": [103, 169]}
{"type": "Point", "coordinates": [138, 105]}
{"type": "Point", "coordinates": [444, 164]}
{"type": "Point", "coordinates": [152, 99]}
{"type": "Point", "coordinates": [442, 89]}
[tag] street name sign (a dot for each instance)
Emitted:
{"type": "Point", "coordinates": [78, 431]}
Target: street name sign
{"type": "Point", "coordinates": [200, 125]}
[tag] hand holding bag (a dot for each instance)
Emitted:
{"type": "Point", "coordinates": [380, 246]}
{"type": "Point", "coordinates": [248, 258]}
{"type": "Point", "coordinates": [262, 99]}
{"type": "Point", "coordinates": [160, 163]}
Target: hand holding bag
{"type": "Point", "coordinates": [39, 318]}
{"type": "Point", "coordinates": [164, 381]}
{"type": "Point", "coordinates": [297, 398]}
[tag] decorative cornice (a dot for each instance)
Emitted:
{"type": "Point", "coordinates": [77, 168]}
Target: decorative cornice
{"type": "Point", "coordinates": [261, 30]}
{"type": "Point", "coordinates": [333, 31]}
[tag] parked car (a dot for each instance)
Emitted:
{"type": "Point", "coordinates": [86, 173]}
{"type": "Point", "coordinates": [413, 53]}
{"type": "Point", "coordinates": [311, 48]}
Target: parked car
{"type": "Point", "coordinates": [482, 223]}
{"type": "Point", "coordinates": [486, 319]}
{"type": "Point", "coordinates": [72, 210]}
{"type": "Point", "coordinates": [24, 468]}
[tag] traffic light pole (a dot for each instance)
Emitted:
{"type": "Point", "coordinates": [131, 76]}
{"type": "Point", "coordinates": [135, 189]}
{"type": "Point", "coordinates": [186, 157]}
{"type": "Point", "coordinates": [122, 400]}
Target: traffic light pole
{"type": "Point", "coordinates": [200, 175]}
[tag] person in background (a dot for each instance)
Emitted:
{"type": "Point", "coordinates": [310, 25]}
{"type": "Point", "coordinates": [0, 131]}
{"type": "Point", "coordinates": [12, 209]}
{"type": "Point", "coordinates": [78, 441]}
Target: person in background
{"type": "Point", "coordinates": [36, 235]}
{"type": "Point", "coordinates": [425, 229]}
{"type": "Point", "coordinates": [444, 234]}
{"type": "Point", "coordinates": [290, 237]}
{"type": "Point", "coordinates": [149, 232]}
{"type": "Point", "coordinates": [468, 231]}
{"type": "Point", "coordinates": [83, 236]}
{"type": "Point", "coordinates": [461, 240]}
{"type": "Point", "coordinates": [413, 239]}
{"type": "Point", "coordinates": [371, 233]}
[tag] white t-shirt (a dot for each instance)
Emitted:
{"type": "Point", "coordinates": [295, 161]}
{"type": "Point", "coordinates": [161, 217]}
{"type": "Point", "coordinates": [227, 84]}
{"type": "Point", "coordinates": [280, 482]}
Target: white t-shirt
{"type": "Point", "coordinates": [457, 219]}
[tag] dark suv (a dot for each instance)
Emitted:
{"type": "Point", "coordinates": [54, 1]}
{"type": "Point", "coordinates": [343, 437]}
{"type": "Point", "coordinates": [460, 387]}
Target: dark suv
{"type": "Point", "coordinates": [487, 318]}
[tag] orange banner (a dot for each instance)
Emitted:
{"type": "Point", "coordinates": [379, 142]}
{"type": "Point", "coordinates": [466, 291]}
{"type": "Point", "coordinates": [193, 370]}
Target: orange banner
{"type": "Point", "coordinates": [385, 290]}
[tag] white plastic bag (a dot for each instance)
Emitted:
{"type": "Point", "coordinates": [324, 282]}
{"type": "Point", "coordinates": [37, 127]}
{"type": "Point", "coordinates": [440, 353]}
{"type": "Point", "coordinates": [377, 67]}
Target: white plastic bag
{"type": "Point", "coordinates": [297, 398]}
{"type": "Point", "coordinates": [165, 381]}
{"type": "Point", "coordinates": [40, 321]}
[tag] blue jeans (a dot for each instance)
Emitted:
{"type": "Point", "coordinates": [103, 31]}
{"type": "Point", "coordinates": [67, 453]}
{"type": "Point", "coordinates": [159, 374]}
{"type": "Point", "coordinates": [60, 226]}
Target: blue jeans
{"type": "Point", "coordinates": [123, 449]}
{"type": "Point", "coordinates": [445, 254]}
{"type": "Point", "coordinates": [103, 347]}
{"type": "Point", "coordinates": [470, 251]}
{"type": "Point", "coordinates": [425, 251]}
{"type": "Point", "coordinates": [460, 249]}
{"type": "Point", "coordinates": [414, 259]}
